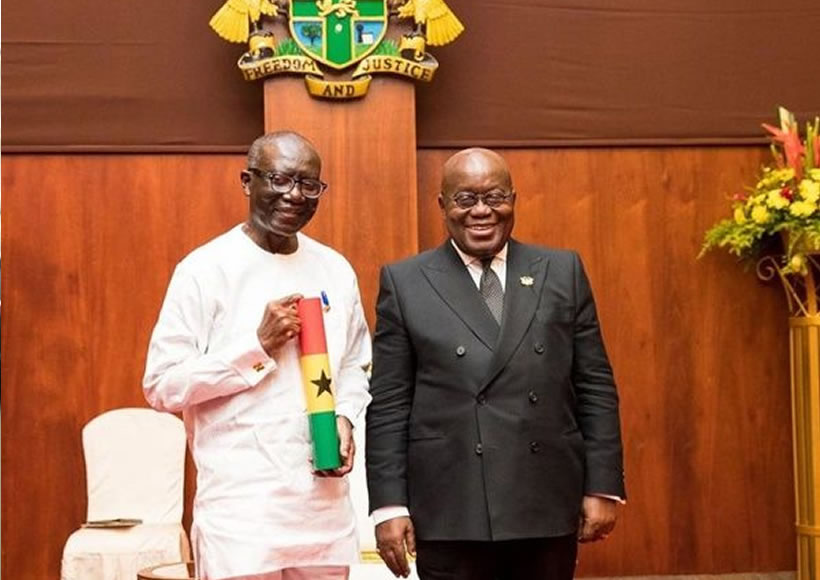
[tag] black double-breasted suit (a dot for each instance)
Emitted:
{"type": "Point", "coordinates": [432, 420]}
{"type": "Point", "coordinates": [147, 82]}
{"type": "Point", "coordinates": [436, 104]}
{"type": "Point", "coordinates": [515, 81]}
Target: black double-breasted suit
{"type": "Point", "coordinates": [490, 433]}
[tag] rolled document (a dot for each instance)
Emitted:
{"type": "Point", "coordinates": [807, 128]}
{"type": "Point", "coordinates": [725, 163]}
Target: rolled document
{"type": "Point", "coordinates": [316, 380]}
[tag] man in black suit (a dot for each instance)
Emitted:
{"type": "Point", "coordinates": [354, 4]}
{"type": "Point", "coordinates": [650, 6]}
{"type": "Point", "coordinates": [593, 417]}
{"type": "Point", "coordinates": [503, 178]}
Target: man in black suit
{"type": "Point", "coordinates": [493, 438]}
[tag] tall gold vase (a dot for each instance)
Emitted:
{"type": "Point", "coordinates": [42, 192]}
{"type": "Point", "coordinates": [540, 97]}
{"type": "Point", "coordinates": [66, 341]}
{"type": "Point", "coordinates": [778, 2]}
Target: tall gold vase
{"type": "Point", "coordinates": [804, 345]}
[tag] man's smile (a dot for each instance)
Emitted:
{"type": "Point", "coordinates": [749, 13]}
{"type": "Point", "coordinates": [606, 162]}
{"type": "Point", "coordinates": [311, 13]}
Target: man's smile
{"type": "Point", "coordinates": [481, 227]}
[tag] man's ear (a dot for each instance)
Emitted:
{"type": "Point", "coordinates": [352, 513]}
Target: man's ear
{"type": "Point", "coordinates": [441, 201]}
{"type": "Point", "coordinates": [245, 179]}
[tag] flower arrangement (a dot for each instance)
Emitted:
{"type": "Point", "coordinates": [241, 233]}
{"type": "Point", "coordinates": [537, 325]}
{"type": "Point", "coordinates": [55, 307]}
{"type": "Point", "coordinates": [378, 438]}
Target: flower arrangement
{"type": "Point", "coordinates": [785, 200]}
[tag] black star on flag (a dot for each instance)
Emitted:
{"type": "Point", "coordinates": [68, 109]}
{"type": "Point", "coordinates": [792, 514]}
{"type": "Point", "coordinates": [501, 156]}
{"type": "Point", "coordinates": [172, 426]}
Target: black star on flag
{"type": "Point", "coordinates": [324, 385]}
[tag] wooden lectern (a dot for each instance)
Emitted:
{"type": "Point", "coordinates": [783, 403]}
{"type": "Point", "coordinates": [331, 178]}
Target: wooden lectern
{"type": "Point", "coordinates": [368, 150]}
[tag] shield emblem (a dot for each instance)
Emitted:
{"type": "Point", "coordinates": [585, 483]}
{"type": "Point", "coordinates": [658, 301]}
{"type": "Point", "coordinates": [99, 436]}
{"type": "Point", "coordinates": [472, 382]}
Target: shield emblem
{"type": "Point", "coordinates": [338, 33]}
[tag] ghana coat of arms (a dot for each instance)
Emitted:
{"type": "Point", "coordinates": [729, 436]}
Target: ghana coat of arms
{"type": "Point", "coordinates": [337, 45]}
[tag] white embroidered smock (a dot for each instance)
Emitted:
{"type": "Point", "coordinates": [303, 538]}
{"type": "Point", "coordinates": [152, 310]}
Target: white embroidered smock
{"type": "Point", "coordinates": [258, 507]}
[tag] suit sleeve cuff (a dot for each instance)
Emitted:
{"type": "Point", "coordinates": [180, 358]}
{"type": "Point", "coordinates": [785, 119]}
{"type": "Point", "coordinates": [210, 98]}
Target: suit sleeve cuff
{"type": "Point", "coordinates": [390, 512]}
{"type": "Point", "coordinates": [249, 359]}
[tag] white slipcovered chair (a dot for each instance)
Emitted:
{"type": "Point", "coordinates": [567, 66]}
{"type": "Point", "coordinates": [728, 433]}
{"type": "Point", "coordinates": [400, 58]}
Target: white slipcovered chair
{"type": "Point", "coordinates": [135, 469]}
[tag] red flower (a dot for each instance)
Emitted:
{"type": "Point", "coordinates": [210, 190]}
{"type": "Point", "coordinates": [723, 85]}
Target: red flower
{"type": "Point", "coordinates": [792, 146]}
{"type": "Point", "coordinates": [787, 193]}
{"type": "Point", "coordinates": [816, 148]}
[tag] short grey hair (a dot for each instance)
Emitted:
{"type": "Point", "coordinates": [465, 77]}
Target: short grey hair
{"type": "Point", "coordinates": [273, 139]}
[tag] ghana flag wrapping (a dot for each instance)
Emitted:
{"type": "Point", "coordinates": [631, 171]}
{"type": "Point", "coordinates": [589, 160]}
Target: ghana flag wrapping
{"type": "Point", "coordinates": [316, 380]}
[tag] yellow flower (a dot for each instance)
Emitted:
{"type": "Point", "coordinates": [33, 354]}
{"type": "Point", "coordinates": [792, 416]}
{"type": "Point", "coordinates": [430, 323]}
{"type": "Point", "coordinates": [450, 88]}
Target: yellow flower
{"type": "Point", "coordinates": [810, 190]}
{"type": "Point", "coordinates": [760, 214]}
{"type": "Point", "coordinates": [798, 264]}
{"type": "Point", "coordinates": [815, 174]}
{"type": "Point", "coordinates": [740, 216]}
{"type": "Point", "coordinates": [776, 201]}
{"type": "Point", "coordinates": [756, 200]}
{"type": "Point", "coordinates": [767, 181]}
{"type": "Point", "coordinates": [774, 177]}
{"type": "Point", "coordinates": [786, 174]}
{"type": "Point", "coordinates": [802, 209]}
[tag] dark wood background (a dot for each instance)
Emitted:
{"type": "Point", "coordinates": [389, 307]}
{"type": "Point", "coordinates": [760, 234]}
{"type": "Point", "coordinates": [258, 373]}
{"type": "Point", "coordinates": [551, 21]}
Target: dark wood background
{"type": "Point", "coordinates": [700, 349]}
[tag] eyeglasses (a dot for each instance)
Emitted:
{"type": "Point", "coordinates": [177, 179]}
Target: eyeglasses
{"type": "Point", "coordinates": [492, 198]}
{"type": "Point", "coordinates": [282, 183]}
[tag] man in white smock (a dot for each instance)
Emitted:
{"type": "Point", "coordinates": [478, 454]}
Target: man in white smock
{"type": "Point", "coordinates": [225, 353]}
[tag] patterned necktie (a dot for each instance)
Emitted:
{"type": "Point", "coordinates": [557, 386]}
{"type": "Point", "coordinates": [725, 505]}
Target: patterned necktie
{"type": "Point", "coordinates": [491, 290]}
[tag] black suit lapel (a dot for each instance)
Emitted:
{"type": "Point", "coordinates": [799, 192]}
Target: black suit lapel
{"type": "Point", "coordinates": [526, 272]}
{"type": "Point", "coordinates": [450, 279]}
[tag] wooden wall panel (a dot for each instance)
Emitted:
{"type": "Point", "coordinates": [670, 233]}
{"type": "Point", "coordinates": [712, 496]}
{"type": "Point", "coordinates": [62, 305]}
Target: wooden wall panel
{"type": "Point", "coordinates": [699, 348]}
{"type": "Point", "coordinates": [90, 243]}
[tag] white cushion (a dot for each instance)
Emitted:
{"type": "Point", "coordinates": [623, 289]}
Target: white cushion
{"type": "Point", "coordinates": [114, 554]}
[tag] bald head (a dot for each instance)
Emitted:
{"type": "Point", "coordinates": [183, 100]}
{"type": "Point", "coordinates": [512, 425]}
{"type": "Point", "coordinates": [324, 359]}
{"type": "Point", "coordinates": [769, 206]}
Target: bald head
{"type": "Point", "coordinates": [477, 201]}
{"type": "Point", "coordinates": [473, 162]}
{"type": "Point", "coordinates": [289, 143]}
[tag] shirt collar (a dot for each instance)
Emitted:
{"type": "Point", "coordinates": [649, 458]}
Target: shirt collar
{"type": "Point", "coordinates": [469, 260]}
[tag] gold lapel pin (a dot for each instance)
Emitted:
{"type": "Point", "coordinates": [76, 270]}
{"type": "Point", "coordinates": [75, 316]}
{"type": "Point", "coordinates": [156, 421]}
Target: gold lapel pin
{"type": "Point", "coordinates": [526, 280]}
